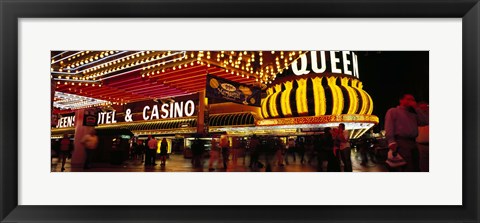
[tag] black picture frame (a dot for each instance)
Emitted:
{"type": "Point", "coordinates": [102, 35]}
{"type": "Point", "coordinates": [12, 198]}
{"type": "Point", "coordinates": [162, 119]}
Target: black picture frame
{"type": "Point", "coordinates": [11, 11]}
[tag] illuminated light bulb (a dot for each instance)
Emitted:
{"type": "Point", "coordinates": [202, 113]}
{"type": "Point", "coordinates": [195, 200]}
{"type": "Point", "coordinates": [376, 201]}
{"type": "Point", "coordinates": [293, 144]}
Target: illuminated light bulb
{"type": "Point", "coordinates": [58, 82]}
{"type": "Point", "coordinates": [238, 74]}
{"type": "Point", "coordinates": [273, 52]}
{"type": "Point", "coordinates": [208, 65]}
{"type": "Point", "coordinates": [174, 68]}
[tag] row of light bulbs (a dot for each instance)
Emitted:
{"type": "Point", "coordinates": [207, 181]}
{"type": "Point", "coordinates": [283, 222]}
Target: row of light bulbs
{"type": "Point", "coordinates": [129, 62]}
{"type": "Point", "coordinates": [79, 84]}
{"type": "Point", "coordinates": [81, 58]}
{"type": "Point", "coordinates": [235, 66]}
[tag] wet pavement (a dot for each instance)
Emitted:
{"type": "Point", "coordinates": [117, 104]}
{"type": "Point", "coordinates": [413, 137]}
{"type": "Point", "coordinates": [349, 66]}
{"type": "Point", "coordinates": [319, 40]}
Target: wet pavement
{"type": "Point", "coordinates": [177, 163]}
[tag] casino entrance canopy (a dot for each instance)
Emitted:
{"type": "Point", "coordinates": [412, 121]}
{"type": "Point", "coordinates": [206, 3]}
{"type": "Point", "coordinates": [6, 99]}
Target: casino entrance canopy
{"type": "Point", "coordinates": [299, 89]}
{"type": "Point", "coordinates": [127, 76]}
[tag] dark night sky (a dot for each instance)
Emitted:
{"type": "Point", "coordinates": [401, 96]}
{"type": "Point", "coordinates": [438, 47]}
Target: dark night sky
{"type": "Point", "coordinates": [387, 74]}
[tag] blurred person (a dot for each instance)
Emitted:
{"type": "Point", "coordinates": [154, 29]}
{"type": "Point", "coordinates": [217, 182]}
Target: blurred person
{"type": "Point", "coordinates": [90, 142]}
{"type": "Point", "coordinates": [290, 150]}
{"type": "Point", "coordinates": [309, 149]}
{"type": "Point", "coordinates": [363, 146]}
{"type": "Point", "coordinates": [140, 150]}
{"type": "Point", "coordinates": [269, 150]}
{"type": "Point", "coordinates": [214, 155]}
{"type": "Point", "coordinates": [344, 151]}
{"type": "Point", "coordinates": [300, 149]}
{"type": "Point", "coordinates": [254, 147]}
{"type": "Point", "coordinates": [133, 150]}
{"type": "Point", "coordinates": [197, 152]}
{"type": "Point", "coordinates": [320, 151]}
{"type": "Point", "coordinates": [152, 144]}
{"type": "Point", "coordinates": [225, 145]}
{"type": "Point", "coordinates": [280, 151]}
{"type": "Point", "coordinates": [333, 163]}
{"type": "Point", "coordinates": [163, 151]}
{"type": "Point", "coordinates": [401, 130]}
{"type": "Point", "coordinates": [422, 141]}
{"type": "Point", "coordinates": [65, 146]}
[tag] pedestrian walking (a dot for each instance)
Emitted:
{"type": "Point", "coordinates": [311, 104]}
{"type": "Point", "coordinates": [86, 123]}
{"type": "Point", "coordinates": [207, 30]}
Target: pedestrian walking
{"type": "Point", "coordinates": [163, 151]}
{"type": "Point", "coordinates": [401, 130]}
{"type": "Point", "coordinates": [65, 147]}
{"type": "Point", "coordinates": [152, 144]}
{"type": "Point", "coordinates": [90, 142]}
{"type": "Point", "coordinates": [290, 150]}
{"type": "Point", "coordinates": [225, 145]}
{"type": "Point", "coordinates": [344, 150]}
{"type": "Point", "coordinates": [214, 155]}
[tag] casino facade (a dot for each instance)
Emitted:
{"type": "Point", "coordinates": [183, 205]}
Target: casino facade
{"type": "Point", "coordinates": [184, 94]}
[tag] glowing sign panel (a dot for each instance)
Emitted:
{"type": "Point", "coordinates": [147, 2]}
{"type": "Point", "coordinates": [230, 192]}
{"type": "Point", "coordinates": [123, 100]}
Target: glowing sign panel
{"type": "Point", "coordinates": [336, 62]}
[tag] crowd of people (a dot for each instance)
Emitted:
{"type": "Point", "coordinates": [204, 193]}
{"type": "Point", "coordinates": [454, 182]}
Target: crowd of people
{"type": "Point", "coordinates": [264, 152]}
{"type": "Point", "coordinates": [406, 133]}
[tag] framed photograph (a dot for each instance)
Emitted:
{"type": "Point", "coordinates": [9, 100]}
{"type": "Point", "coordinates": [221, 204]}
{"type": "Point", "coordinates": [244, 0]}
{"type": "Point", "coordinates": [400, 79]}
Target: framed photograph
{"type": "Point", "coordinates": [153, 110]}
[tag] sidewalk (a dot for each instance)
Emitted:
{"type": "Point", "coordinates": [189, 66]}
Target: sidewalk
{"type": "Point", "coordinates": [177, 163]}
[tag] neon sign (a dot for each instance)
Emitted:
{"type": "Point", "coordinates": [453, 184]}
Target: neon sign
{"type": "Point", "coordinates": [340, 62]}
{"type": "Point", "coordinates": [66, 122]}
{"type": "Point", "coordinates": [149, 112]}
{"type": "Point", "coordinates": [171, 110]}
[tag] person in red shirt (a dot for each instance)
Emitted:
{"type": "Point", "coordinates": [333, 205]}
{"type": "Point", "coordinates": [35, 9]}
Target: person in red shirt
{"type": "Point", "coordinates": [64, 150]}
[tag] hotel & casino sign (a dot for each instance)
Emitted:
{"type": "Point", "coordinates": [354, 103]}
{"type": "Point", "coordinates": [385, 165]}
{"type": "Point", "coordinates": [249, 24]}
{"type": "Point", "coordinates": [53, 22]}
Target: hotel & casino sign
{"type": "Point", "coordinates": [141, 111]}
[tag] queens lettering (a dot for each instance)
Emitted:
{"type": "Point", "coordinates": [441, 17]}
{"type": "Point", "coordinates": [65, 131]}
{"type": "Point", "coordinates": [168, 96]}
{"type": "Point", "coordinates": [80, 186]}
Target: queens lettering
{"type": "Point", "coordinates": [66, 122]}
{"type": "Point", "coordinates": [171, 110]}
{"type": "Point", "coordinates": [340, 62]}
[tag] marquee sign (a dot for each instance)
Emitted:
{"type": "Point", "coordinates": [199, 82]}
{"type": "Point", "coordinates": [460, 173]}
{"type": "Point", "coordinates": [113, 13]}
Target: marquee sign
{"type": "Point", "coordinates": [225, 90]}
{"type": "Point", "coordinates": [319, 120]}
{"type": "Point", "coordinates": [335, 62]}
{"type": "Point", "coordinates": [146, 110]}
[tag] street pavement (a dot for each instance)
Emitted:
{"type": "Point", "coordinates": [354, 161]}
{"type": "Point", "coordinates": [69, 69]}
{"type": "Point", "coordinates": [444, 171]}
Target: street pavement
{"type": "Point", "coordinates": [177, 163]}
